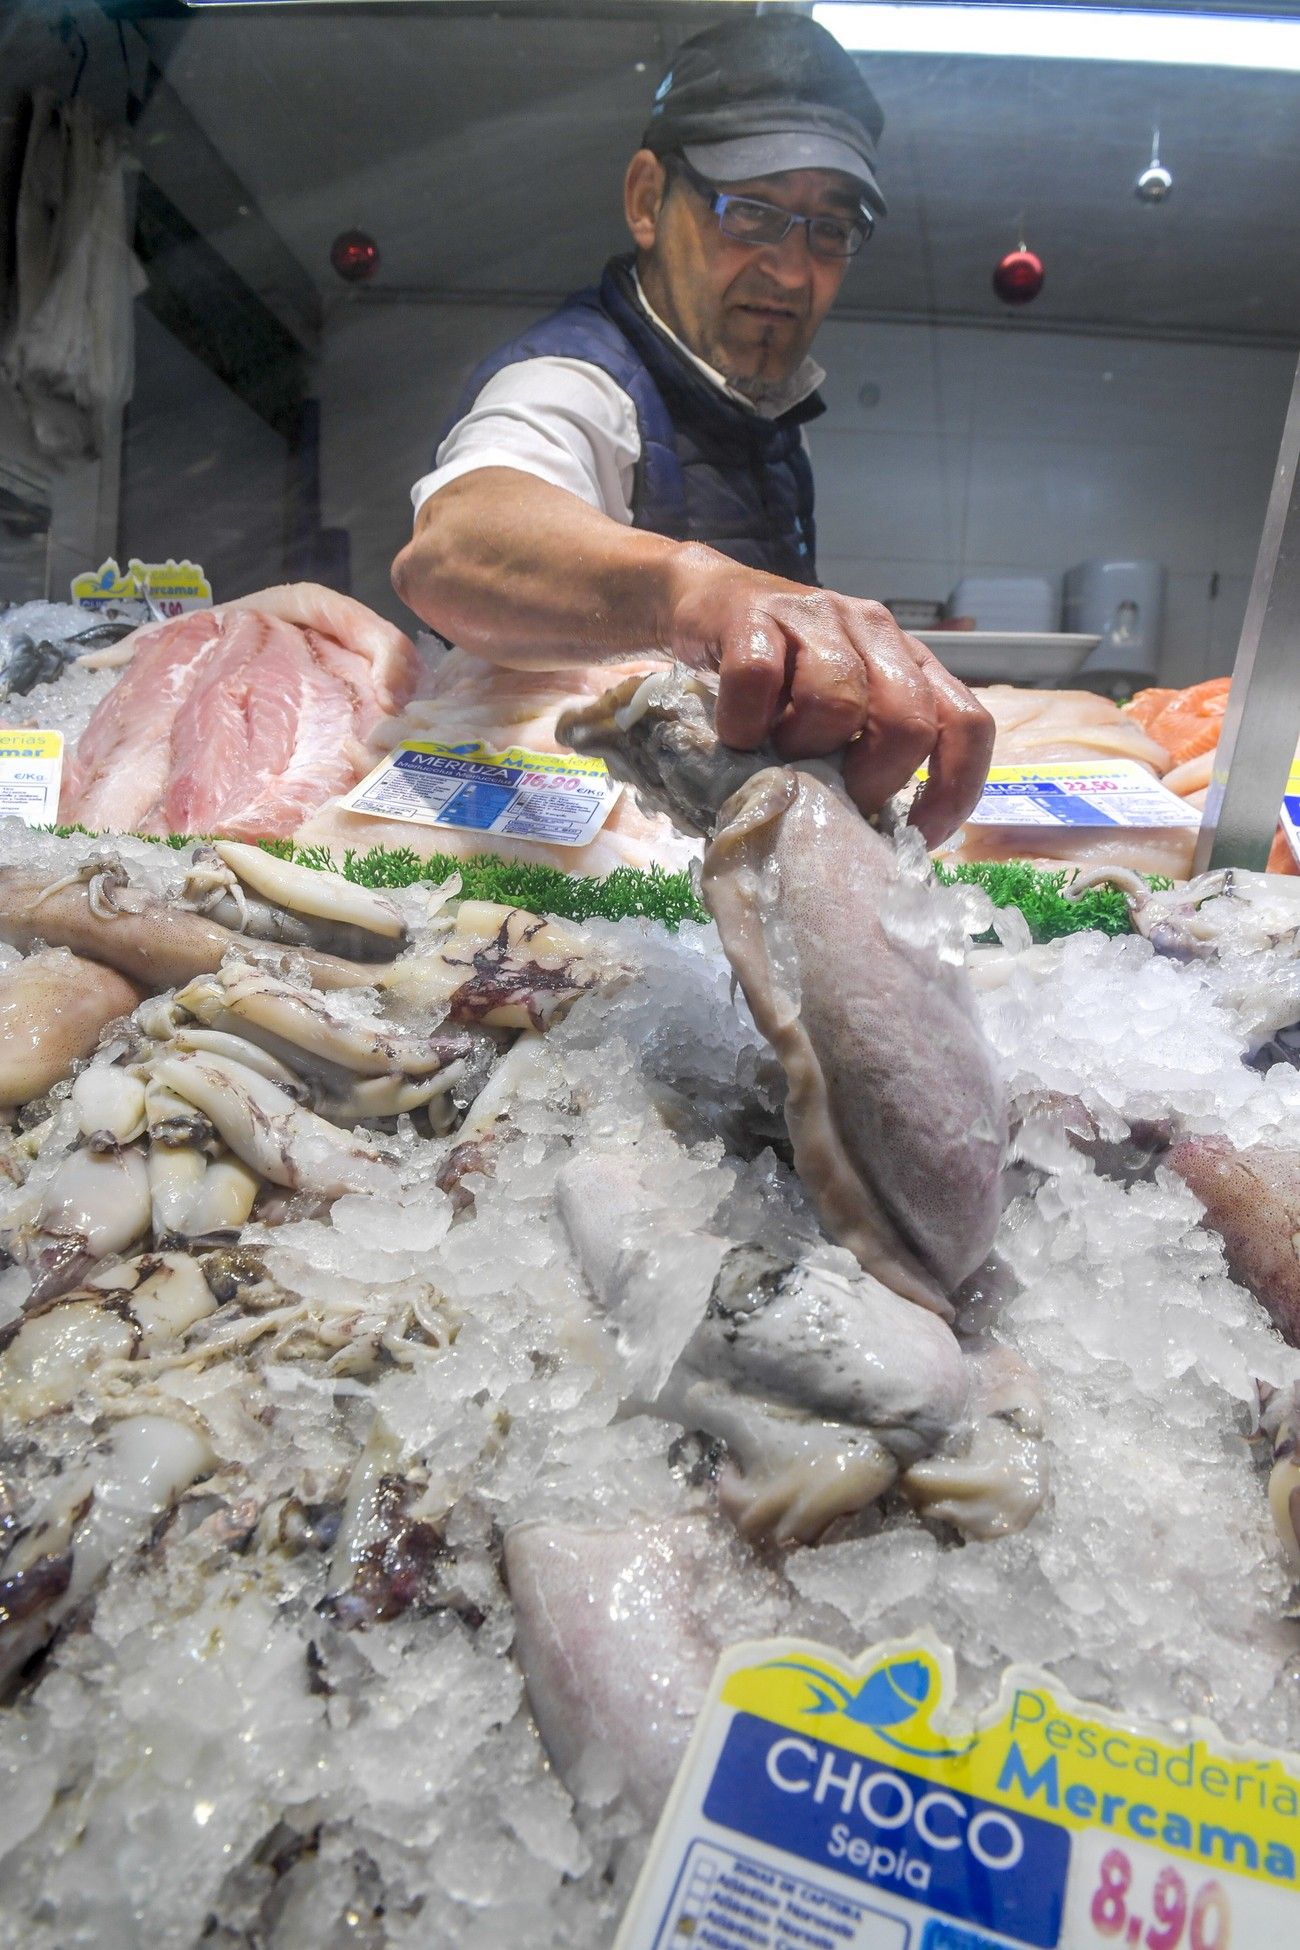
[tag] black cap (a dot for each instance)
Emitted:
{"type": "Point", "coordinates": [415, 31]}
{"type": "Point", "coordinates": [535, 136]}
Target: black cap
{"type": "Point", "coordinates": [756, 96]}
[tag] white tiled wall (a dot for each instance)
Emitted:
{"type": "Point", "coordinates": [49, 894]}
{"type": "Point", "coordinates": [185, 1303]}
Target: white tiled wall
{"type": "Point", "coordinates": [985, 451]}
{"type": "Point", "coordinates": [1013, 452]}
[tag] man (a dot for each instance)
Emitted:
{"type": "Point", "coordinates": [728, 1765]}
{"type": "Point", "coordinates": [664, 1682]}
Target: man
{"type": "Point", "coordinates": [630, 476]}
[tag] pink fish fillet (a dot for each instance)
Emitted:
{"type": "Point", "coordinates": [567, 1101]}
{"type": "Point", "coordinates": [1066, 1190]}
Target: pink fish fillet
{"type": "Point", "coordinates": [470, 699]}
{"type": "Point", "coordinates": [116, 779]}
{"type": "Point", "coordinates": [390, 659]}
{"type": "Point", "coordinates": [267, 733]}
{"type": "Point", "coordinates": [241, 719]}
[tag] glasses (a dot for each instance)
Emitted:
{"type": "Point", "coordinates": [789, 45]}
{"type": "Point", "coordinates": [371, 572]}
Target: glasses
{"type": "Point", "coordinates": [751, 222]}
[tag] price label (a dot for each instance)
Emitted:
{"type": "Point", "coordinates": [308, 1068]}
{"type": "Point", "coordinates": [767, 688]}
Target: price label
{"type": "Point", "coordinates": [152, 588]}
{"type": "Point", "coordinates": [31, 771]}
{"type": "Point", "coordinates": [852, 1807]}
{"type": "Point", "coordinates": [1069, 793]}
{"type": "Point", "coordinates": [1136, 1896]}
{"type": "Point", "coordinates": [562, 799]}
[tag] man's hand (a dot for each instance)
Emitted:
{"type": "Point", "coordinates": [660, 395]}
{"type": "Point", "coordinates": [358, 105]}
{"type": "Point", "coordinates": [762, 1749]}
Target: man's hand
{"type": "Point", "coordinates": [527, 575]}
{"type": "Point", "coordinates": [813, 672]}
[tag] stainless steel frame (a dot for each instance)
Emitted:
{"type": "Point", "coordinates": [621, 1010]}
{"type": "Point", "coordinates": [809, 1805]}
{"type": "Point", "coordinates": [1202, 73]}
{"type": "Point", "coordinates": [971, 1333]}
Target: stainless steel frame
{"type": "Point", "coordinates": [1262, 726]}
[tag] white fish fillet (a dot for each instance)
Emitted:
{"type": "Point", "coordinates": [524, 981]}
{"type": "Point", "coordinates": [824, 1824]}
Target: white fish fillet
{"type": "Point", "coordinates": [241, 719]}
{"type": "Point", "coordinates": [1050, 726]}
{"type": "Point", "coordinates": [1166, 850]}
{"type": "Point", "coordinates": [470, 699]}
{"type": "Point", "coordinates": [1065, 725]}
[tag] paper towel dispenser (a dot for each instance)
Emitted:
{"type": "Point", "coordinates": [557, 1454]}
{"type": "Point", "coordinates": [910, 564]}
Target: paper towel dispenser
{"type": "Point", "coordinates": [1124, 604]}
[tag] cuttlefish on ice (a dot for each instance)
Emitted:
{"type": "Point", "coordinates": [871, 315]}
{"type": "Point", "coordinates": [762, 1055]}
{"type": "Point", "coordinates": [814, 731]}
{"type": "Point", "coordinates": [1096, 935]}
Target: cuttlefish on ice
{"type": "Point", "coordinates": [826, 1389]}
{"type": "Point", "coordinates": [827, 1386]}
{"type": "Point", "coordinates": [895, 1111]}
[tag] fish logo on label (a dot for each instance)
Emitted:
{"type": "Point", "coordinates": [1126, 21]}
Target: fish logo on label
{"type": "Point", "coordinates": [899, 1692]}
{"type": "Point", "coordinates": [168, 588]}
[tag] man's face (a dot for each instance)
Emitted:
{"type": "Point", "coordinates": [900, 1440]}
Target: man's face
{"type": "Point", "coordinates": [750, 311]}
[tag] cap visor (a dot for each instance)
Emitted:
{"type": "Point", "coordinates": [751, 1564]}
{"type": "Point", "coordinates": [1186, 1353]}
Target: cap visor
{"type": "Point", "coordinates": [747, 156]}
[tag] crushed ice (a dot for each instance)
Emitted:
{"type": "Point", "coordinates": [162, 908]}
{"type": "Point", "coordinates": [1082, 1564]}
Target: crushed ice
{"type": "Point", "coordinates": [213, 1757]}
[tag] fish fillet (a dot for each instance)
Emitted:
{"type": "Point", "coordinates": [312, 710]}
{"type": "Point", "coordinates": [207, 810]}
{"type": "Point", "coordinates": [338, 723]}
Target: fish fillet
{"type": "Point", "coordinates": [1039, 727]}
{"type": "Point", "coordinates": [1165, 850]}
{"type": "Point", "coordinates": [1147, 705]}
{"type": "Point", "coordinates": [1191, 774]}
{"type": "Point", "coordinates": [1188, 724]}
{"type": "Point", "coordinates": [118, 773]}
{"type": "Point", "coordinates": [472, 700]}
{"type": "Point", "coordinates": [242, 719]}
{"type": "Point", "coordinates": [1052, 725]}
{"type": "Point", "coordinates": [267, 733]}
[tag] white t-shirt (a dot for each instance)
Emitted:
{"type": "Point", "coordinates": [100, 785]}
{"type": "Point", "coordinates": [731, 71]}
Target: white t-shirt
{"type": "Point", "coordinates": [563, 420]}
{"type": "Point", "coordinates": [567, 422]}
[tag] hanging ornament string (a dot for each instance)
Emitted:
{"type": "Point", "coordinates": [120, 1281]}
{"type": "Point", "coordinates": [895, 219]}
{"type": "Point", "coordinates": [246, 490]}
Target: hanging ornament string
{"type": "Point", "coordinates": [1155, 182]}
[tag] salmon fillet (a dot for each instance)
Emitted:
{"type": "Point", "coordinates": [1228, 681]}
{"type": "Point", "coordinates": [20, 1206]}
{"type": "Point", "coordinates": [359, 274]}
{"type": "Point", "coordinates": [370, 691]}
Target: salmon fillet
{"type": "Point", "coordinates": [1147, 705]}
{"type": "Point", "coordinates": [1280, 857]}
{"type": "Point", "coordinates": [1189, 724]}
{"type": "Point", "coordinates": [1190, 721]}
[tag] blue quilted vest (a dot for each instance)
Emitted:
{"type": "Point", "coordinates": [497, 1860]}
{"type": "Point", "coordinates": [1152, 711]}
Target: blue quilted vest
{"type": "Point", "coordinates": [710, 469]}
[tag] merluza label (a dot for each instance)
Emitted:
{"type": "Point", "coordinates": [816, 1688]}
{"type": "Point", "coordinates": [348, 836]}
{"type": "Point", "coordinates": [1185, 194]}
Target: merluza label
{"type": "Point", "coordinates": [831, 1806]}
{"type": "Point", "coordinates": [558, 798]}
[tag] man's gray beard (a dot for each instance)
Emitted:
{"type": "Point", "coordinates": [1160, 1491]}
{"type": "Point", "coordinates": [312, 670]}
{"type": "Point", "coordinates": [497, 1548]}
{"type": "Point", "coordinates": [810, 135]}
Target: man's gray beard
{"type": "Point", "coordinates": [759, 392]}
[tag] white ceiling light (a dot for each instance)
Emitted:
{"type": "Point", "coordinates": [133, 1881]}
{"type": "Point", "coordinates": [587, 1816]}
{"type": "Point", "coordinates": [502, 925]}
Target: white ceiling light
{"type": "Point", "coordinates": [1067, 34]}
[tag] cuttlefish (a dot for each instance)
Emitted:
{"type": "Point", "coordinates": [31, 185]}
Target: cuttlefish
{"type": "Point", "coordinates": [825, 1387]}
{"type": "Point", "coordinates": [895, 1111]}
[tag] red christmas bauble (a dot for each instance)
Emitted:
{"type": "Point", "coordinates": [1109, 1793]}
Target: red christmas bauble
{"type": "Point", "coordinates": [354, 256]}
{"type": "Point", "coordinates": [1018, 277]}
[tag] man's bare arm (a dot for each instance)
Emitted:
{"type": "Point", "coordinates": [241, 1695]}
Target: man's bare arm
{"type": "Point", "coordinates": [527, 575]}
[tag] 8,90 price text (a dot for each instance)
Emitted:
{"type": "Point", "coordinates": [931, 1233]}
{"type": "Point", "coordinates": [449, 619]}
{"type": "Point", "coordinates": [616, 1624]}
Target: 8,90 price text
{"type": "Point", "coordinates": [1172, 1918]}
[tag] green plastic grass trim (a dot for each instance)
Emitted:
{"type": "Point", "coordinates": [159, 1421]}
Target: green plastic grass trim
{"type": "Point", "coordinates": [1036, 891]}
{"type": "Point", "coordinates": [669, 897]}
{"type": "Point", "coordinates": [666, 897]}
{"type": "Point", "coordinates": [660, 896]}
